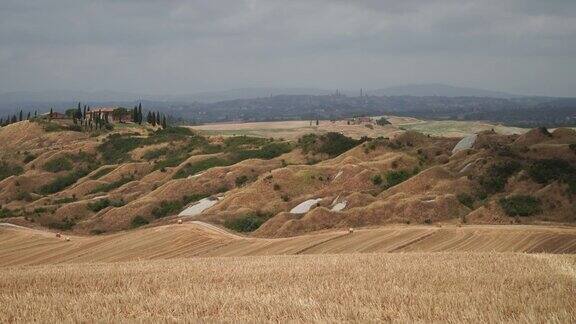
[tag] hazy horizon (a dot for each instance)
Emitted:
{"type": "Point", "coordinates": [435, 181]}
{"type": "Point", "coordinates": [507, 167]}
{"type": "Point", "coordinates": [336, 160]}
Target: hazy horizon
{"type": "Point", "coordinates": [186, 47]}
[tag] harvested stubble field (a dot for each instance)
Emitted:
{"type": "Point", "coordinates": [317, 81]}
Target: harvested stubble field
{"type": "Point", "coordinates": [297, 128]}
{"type": "Point", "coordinates": [441, 287]}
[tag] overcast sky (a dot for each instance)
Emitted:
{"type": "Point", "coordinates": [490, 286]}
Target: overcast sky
{"type": "Point", "coordinates": [179, 47]}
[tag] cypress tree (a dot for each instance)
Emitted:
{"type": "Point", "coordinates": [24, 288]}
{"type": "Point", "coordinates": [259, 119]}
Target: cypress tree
{"type": "Point", "coordinates": [14, 119]}
{"type": "Point", "coordinates": [28, 117]}
{"type": "Point", "coordinates": [20, 116]}
{"type": "Point", "coordinates": [164, 122]}
{"type": "Point", "coordinates": [78, 112]}
{"type": "Point", "coordinates": [140, 113]}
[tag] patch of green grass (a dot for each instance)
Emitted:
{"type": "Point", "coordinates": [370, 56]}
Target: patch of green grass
{"type": "Point", "coordinates": [64, 200]}
{"type": "Point", "coordinates": [154, 154]}
{"type": "Point", "coordinates": [101, 172]}
{"type": "Point", "coordinates": [193, 168]}
{"type": "Point", "coordinates": [116, 147]}
{"type": "Point", "coordinates": [377, 180]}
{"type": "Point", "coordinates": [167, 208]}
{"type": "Point", "coordinates": [113, 185]}
{"type": "Point", "coordinates": [521, 205]}
{"type": "Point", "coordinates": [396, 177]}
{"type": "Point", "coordinates": [58, 164]}
{"type": "Point", "coordinates": [5, 213]}
{"type": "Point", "coordinates": [103, 203]}
{"type": "Point", "coordinates": [266, 152]}
{"type": "Point", "coordinates": [62, 182]}
{"type": "Point", "coordinates": [8, 169]}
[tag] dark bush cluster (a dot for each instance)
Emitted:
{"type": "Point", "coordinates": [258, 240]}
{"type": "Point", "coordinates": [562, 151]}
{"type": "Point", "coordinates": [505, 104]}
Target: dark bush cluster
{"type": "Point", "coordinates": [62, 182]}
{"type": "Point", "coordinates": [247, 223]}
{"type": "Point", "coordinates": [8, 169]}
{"type": "Point", "coordinates": [546, 171]}
{"type": "Point", "coordinates": [521, 205]}
{"type": "Point", "coordinates": [103, 203]}
{"type": "Point", "coordinates": [113, 185]}
{"type": "Point", "coordinates": [138, 221]}
{"type": "Point", "coordinates": [58, 164]}
{"type": "Point", "coordinates": [466, 200]}
{"type": "Point", "coordinates": [331, 143]}
{"type": "Point", "coordinates": [496, 177]}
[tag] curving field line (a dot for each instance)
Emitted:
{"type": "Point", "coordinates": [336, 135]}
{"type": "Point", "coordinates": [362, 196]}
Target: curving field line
{"type": "Point", "coordinates": [192, 239]}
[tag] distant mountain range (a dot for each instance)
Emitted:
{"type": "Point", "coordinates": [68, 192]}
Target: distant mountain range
{"type": "Point", "coordinates": [243, 93]}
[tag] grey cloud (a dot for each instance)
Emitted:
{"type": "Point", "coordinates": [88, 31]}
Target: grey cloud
{"type": "Point", "coordinates": [175, 46]}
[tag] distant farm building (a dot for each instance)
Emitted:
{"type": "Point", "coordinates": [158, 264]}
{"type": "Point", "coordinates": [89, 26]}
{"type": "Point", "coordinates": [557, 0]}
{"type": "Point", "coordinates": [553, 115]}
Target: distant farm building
{"type": "Point", "coordinates": [111, 114]}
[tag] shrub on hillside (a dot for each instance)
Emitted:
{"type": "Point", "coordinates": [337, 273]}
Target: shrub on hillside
{"type": "Point", "coordinates": [166, 208]}
{"type": "Point", "coordinates": [103, 203]}
{"type": "Point", "coordinates": [193, 168]}
{"type": "Point", "coordinates": [396, 177]}
{"type": "Point", "coordinates": [8, 169]}
{"type": "Point", "coordinates": [65, 224]}
{"type": "Point", "coordinates": [138, 221]}
{"type": "Point", "coordinates": [62, 182]}
{"type": "Point", "coordinates": [241, 180]}
{"type": "Point", "coordinates": [496, 177]}
{"type": "Point", "coordinates": [102, 172]}
{"type": "Point", "coordinates": [382, 121]}
{"type": "Point", "coordinates": [466, 200]}
{"type": "Point", "coordinates": [58, 164]}
{"type": "Point", "coordinates": [28, 157]}
{"type": "Point", "coordinates": [521, 205]}
{"type": "Point", "coordinates": [331, 143]}
{"type": "Point", "coordinates": [5, 213]}
{"type": "Point", "coordinates": [247, 223]}
{"type": "Point", "coordinates": [113, 185]}
{"type": "Point", "coordinates": [547, 171]}
{"type": "Point", "coordinates": [376, 180]}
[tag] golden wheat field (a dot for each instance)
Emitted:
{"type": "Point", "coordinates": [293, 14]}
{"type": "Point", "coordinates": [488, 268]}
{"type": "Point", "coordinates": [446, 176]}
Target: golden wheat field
{"type": "Point", "coordinates": [198, 272]}
{"type": "Point", "coordinates": [441, 287]}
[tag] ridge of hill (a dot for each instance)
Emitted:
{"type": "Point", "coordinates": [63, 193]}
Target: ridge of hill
{"type": "Point", "coordinates": [132, 176]}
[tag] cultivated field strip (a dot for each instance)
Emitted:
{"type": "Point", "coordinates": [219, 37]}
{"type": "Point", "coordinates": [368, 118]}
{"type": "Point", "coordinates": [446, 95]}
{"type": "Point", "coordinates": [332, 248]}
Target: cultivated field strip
{"type": "Point", "coordinates": [23, 246]}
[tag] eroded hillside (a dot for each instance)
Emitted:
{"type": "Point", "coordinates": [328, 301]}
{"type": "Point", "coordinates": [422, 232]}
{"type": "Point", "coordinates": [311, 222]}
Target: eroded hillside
{"type": "Point", "coordinates": [132, 176]}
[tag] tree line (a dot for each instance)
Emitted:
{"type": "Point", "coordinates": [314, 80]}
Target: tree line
{"type": "Point", "coordinates": [82, 115]}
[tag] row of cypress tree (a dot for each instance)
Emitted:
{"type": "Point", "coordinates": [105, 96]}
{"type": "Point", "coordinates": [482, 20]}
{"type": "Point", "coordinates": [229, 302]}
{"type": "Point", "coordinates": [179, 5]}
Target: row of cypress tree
{"type": "Point", "coordinates": [79, 115]}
